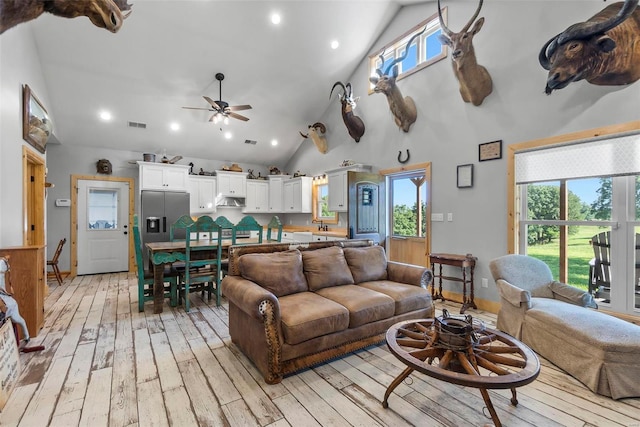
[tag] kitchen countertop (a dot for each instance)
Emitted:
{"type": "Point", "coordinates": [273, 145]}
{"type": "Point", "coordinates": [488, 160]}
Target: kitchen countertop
{"type": "Point", "coordinates": [333, 232]}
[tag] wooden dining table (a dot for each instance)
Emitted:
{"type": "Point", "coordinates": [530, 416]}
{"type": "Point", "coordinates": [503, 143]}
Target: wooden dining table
{"type": "Point", "coordinates": [162, 253]}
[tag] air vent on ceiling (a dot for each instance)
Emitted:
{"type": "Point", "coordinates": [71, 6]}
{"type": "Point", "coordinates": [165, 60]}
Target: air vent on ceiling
{"type": "Point", "coordinates": [250, 141]}
{"type": "Point", "coordinates": [137, 125]}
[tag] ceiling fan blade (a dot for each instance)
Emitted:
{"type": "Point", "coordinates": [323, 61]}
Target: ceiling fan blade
{"type": "Point", "coordinates": [212, 102]}
{"type": "Point", "coordinates": [240, 107]}
{"type": "Point", "coordinates": [198, 108]}
{"type": "Point", "coordinates": [238, 116]}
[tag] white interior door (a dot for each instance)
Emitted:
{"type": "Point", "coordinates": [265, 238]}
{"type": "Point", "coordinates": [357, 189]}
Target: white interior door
{"type": "Point", "coordinates": [103, 228]}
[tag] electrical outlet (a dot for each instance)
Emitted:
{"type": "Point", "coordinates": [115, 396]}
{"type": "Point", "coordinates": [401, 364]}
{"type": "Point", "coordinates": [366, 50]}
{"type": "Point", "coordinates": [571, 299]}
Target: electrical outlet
{"type": "Point", "coordinates": [290, 222]}
{"type": "Point", "coordinates": [485, 282]}
{"type": "Point", "coordinates": [307, 222]}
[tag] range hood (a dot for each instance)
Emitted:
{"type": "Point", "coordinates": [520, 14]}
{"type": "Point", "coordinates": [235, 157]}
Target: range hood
{"type": "Point", "coordinates": [231, 202]}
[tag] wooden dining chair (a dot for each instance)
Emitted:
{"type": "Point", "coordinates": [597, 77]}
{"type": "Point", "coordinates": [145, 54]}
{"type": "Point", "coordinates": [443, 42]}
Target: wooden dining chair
{"type": "Point", "coordinates": [274, 225]}
{"type": "Point", "coordinates": [249, 223]}
{"type": "Point", "coordinates": [225, 224]}
{"type": "Point", "coordinates": [145, 277]}
{"type": "Point", "coordinates": [53, 262]}
{"type": "Point", "coordinates": [202, 263]}
{"type": "Point", "coordinates": [179, 228]}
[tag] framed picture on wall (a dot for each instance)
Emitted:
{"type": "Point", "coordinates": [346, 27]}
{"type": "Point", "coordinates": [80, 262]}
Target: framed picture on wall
{"type": "Point", "coordinates": [36, 124]}
{"type": "Point", "coordinates": [465, 176]}
{"type": "Point", "coordinates": [490, 150]}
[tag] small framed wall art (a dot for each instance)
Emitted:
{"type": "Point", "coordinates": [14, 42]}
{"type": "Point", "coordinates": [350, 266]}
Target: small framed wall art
{"type": "Point", "coordinates": [36, 124]}
{"type": "Point", "coordinates": [465, 176]}
{"type": "Point", "coordinates": [490, 150]}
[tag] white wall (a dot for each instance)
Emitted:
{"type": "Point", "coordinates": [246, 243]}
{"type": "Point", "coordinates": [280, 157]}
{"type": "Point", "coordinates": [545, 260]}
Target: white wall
{"type": "Point", "coordinates": [447, 131]}
{"type": "Point", "coordinates": [19, 65]}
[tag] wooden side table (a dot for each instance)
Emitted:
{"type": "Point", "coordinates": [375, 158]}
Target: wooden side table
{"type": "Point", "coordinates": [466, 263]}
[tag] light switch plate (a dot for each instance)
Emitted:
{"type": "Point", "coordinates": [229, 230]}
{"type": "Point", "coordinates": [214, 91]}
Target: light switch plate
{"type": "Point", "coordinates": [450, 216]}
{"type": "Point", "coordinates": [437, 217]}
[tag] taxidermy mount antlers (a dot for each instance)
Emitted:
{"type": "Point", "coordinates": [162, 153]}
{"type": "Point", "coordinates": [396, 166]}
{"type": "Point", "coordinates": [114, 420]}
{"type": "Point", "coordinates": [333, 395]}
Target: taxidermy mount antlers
{"type": "Point", "coordinates": [475, 81]}
{"type": "Point", "coordinates": [605, 50]}
{"type": "Point", "coordinates": [403, 109]}
{"type": "Point", "coordinates": [314, 133]}
{"type": "Point", "coordinates": [354, 124]}
{"type": "Point", "coordinates": [103, 13]}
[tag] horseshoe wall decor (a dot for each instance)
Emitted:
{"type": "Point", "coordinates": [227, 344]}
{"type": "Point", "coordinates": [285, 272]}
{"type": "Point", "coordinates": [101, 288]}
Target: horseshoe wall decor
{"type": "Point", "coordinates": [400, 155]}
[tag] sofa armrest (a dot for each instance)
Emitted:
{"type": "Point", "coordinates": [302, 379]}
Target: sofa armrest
{"type": "Point", "coordinates": [513, 294]}
{"type": "Point", "coordinates": [249, 296]}
{"type": "Point", "coordinates": [572, 295]}
{"type": "Point", "coordinates": [409, 274]}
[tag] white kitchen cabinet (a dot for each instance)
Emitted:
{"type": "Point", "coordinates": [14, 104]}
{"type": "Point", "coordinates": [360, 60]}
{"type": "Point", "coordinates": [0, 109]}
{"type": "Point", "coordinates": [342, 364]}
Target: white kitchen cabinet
{"type": "Point", "coordinates": [232, 184]}
{"type": "Point", "coordinates": [297, 195]}
{"type": "Point", "coordinates": [276, 194]}
{"type": "Point", "coordinates": [163, 176]}
{"type": "Point", "coordinates": [257, 196]}
{"type": "Point", "coordinates": [339, 186]}
{"type": "Point", "coordinates": [202, 194]}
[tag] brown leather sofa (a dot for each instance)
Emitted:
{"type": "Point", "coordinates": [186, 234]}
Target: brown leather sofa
{"type": "Point", "coordinates": [293, 307]}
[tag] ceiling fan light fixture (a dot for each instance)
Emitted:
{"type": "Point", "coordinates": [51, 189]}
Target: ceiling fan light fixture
{"type": "Point", "coordinates": [225, 120]}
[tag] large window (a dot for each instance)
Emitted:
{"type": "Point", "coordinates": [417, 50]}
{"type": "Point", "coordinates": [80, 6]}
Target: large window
{"type": "Point", "coordinates": [579, 211]}
{"type": "Point", "coordinates": [424, 50]}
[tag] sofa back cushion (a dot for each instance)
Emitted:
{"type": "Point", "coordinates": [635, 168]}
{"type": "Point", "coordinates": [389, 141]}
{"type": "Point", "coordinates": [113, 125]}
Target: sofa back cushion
{"type": "Point", "coordinates": [367, 264]}
{"type": "Point", "coordinates": [326, 267]}
{"type": "Point", "coordinates": [279, 272]}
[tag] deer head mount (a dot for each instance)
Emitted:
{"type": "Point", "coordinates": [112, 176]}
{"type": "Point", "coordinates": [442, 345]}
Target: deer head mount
{"type": "Point", "coordinates": [475, 81]}
{"type": "Point", "coordinates": [354, 124]}
{"type": "Point", "coordinates": [604, 50]}
{"type": "Point", "coordinates": [315, 131]}
{"type": "Point", "coordinates": [105, 14]}
{"type": "Point", "coordinates": [402, 108]}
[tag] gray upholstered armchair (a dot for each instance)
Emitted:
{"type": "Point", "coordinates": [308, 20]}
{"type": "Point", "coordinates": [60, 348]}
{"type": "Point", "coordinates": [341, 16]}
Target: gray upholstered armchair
{"type": "Point", "coordinates": [524, 283]}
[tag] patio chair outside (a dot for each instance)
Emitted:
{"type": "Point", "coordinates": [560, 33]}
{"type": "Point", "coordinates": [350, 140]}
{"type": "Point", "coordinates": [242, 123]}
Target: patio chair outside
{"type": "Point", "coordinates": [600, 267]}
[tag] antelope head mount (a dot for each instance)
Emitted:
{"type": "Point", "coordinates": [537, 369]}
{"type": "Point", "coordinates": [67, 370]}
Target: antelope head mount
{"type": "Point", "coordinates": [402, 108]}
{"type": "Point", "coordinates": [315, 133]}
{"type": "Point", "coordinates": [475, 81]}
{"type": "Point", "coordinates": [354, 124]}
{"type": "Point", "coordinates": [107, 14]}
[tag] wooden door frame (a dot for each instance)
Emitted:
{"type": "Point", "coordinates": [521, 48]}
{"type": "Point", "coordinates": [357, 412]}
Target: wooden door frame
{"type": "Point", "coordinates": [74, 217]}
{"type": "Point", "coordinates": [426, 167]}
{"type": "Point", "coordinates": [35, 200]}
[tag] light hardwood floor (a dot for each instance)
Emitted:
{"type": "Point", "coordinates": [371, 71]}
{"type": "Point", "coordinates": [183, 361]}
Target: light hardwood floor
{"type": "Point", "coordinates": [105, 364]}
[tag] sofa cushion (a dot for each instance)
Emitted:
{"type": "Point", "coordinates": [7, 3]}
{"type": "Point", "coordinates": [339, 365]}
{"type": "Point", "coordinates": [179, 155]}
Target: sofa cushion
{"type": "Point", "coordinates": [326, 267]}
{"type": "Point", "coordinates": [407, 297]}
{"type": "Point", "coordinates": [366, 264]}
{"type": "Point", "coordinates": [279, 272]}
{"type": "Point", "coordinates": [306, 315]}
{"type": "Point", "coordinates": [364, 305]}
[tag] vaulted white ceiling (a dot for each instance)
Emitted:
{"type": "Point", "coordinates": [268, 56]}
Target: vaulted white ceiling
{"type": "Point", "coordinates": [167, 53]}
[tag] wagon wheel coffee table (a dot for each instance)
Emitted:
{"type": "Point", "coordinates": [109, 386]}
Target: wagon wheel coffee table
{"type": "Point", "coordinates": [460, 350]}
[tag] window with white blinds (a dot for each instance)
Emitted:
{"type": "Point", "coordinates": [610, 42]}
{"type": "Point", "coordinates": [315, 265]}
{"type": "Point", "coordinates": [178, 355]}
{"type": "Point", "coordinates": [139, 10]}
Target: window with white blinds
{"type": "Point", "coordinates": [594, 158]}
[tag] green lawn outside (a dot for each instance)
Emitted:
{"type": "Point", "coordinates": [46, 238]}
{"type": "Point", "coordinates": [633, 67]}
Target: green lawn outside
{"type": "Point", "coordinates": [580, 253]}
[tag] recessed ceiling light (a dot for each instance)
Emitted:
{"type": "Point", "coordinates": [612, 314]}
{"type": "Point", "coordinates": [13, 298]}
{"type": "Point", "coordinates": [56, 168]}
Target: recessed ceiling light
{"type": "Point", "coordinates": [335, 44]}
{"type": "Point", "coordinates": [275, 18]}
{"type": "Point", "coordinates": [228, 135]}
{"type": "Point", "coordinates": [274, 142]}
{"type": "Point", "coordinates": [174, 126]}
{"type": "Point", "coordinates": [105, 115]}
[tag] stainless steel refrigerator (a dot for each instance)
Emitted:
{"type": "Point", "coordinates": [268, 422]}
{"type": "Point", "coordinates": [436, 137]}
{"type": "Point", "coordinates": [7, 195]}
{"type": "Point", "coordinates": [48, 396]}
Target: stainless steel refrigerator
{"type": "Point", "coordinates": [158, 210]}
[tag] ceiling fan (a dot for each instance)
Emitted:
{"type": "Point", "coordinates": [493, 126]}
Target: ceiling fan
{"type": "Point", "coordinates": [221, 109]}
